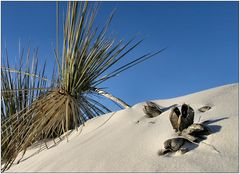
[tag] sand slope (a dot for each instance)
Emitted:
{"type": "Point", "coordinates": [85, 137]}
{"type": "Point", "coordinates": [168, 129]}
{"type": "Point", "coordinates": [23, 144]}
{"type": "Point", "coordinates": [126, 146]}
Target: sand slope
{"type": "Point", "coordinates": [126, 141]}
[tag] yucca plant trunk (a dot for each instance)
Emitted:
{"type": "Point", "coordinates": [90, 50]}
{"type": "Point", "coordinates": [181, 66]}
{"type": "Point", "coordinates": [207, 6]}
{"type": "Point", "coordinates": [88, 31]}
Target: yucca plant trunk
{"type": "Point", "coordinates": [111, 97]}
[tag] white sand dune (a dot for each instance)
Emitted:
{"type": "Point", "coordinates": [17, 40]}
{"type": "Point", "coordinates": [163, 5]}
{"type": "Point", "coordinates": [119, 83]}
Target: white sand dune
{"type": "Point", "coordinates": [126, 141]}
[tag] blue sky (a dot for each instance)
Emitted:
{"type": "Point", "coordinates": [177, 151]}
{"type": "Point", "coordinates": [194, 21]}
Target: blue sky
{"type": "Point", "coordinates": [201, 40]}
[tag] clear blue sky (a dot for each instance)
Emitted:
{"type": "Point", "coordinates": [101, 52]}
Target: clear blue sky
{"type": "Point", "coordinates": [202, 41]}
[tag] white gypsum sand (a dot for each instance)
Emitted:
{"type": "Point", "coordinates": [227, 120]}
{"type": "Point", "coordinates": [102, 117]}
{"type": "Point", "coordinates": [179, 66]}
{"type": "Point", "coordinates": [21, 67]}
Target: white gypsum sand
{"type": "Point", "coordinates": [125, 141]}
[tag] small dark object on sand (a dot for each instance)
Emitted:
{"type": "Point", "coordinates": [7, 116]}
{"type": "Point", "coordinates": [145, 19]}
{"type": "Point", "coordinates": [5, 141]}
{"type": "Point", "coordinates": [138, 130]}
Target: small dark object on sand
{"type": "Point", "coordinates": [173, 145]}
{"type": "Point", "coordinates": [181, 120]}
{"type": "Point", "coordinates": [152, 109]}
{"type": "Point", "coordinates": [196, 130]}
{"type": "Point", "coordinates": [187, 116]}
{"type": "Point", "coordinates": [204, 108]}
{"type": "Point", "coordinates": [163, 151]}
{"type": "Point", "coordinates": [174, 116]}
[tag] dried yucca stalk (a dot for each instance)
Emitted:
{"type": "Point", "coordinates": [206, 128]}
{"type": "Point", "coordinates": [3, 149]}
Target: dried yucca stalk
{"type": "Point", "coordinates": [87, 60]}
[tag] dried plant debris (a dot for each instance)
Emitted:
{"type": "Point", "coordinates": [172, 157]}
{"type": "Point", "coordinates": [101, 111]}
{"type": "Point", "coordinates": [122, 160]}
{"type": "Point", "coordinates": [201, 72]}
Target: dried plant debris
{"type": "Point", "coordinates": [197, 129]}
{"type": "Point", "coordinates": [187, 131]}
{"type": "Point", "coordinates": [204, 108]}
{"type": "Point", "coordinates": [173, 145]}
{"type": "Point", "coordinates": [183, 119]}
{"type": "Point", "coordinates": [195, 132]}
{"type": "Point", "coordinates": [151, 109]}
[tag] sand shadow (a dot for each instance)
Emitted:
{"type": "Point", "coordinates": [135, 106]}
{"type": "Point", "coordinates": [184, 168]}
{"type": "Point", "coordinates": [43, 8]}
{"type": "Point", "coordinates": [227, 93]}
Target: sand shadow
{"type": "Point", "coordinates": [207, 122]}
{"type": "Point", "coordinates": [211, 128]}
{"type": "Point", "coordinates": [214, 128]}
{"type": "Point", "coordinates": [169, 107]}
{"type": "Point", "coordinates": [40, 146]}
{"type": "Point", "coordinates": [190, 146]}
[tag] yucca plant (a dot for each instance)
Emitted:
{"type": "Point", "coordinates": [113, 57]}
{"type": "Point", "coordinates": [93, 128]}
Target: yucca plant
{"type": "Point", "coordinates": [19, 87]}
{"type": "Point", "coordinates": [86, 62]}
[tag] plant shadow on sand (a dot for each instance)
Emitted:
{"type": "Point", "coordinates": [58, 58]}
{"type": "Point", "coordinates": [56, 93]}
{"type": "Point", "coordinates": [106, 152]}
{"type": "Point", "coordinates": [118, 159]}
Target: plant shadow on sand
{"type": "Point", "coordinates": [39, 147]}
{"type": "Point", "coordinates": [212, 128]}
{"type": "Point", "coordinates": [42, 145]}
{"type": "Point", "coordinates": [164, 109]}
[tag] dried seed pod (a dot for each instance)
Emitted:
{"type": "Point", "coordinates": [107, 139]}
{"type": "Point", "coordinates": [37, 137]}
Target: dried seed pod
{"type": "Point", "coordinates": [187, 116]}
{"type": "Point", "coordinates": [198, 129]}
{"type": "Point", "coordinates": [152, 109]}
{"type": "Point", "coordinates": [174, 144]}
{"type": "Point", "coordinates": [195, 131]}
{"type": "Point", "coordinates": [174, 116]}
{"type": "Point", "coordinates": [204, 108]}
